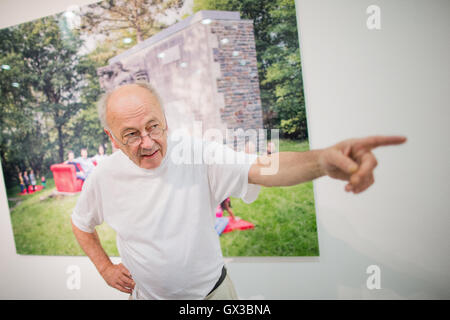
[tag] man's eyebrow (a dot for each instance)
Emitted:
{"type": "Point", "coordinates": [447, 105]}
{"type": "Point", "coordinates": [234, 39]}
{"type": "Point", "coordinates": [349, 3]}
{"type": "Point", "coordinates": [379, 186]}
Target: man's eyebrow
{"type": "Point", "coordinates": [131, 128]}
{"type": "Point", "coordinates": [152, 120]}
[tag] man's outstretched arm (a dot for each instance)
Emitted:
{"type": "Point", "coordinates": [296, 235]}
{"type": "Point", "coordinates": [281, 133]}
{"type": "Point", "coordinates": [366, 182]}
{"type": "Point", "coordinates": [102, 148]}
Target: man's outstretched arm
{"type": "Point", "coordinates": [117, 276]}
{"type": "Point", "coordinates": [350, 160]}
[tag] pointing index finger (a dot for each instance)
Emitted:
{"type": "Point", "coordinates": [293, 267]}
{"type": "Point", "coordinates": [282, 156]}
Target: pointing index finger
{"type": "Point", "coordinates": [378, 141]}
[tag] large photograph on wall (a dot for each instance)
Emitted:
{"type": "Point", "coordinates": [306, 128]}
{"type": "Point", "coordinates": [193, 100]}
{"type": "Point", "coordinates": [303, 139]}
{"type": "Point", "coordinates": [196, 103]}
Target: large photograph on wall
{"type": "Point", "coordinates": [223, 65]}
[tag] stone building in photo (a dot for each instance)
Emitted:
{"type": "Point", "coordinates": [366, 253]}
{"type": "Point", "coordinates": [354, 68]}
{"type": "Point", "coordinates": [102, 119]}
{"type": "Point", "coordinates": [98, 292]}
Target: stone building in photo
{"type": "Point", "coordinates": [204, 69]}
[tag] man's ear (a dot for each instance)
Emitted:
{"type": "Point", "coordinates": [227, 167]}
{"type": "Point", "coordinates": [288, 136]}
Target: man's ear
{"type": "Point", "coordinates": [111, 138]}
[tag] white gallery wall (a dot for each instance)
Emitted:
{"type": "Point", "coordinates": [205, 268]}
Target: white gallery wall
{"type": "Point", "coordinates": [358, 82]}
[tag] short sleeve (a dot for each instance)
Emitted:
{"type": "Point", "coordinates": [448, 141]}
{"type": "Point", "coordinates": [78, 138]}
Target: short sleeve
{"type": "Point", "coordinates": [228, 173]}
{"type": "Point", "coordinates": [87, 213]}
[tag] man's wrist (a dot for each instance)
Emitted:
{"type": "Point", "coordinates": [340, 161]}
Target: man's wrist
{"type": "Point", "coordinates": [321, 154]}
{"type": "Point", "coordinates": [104, 266]}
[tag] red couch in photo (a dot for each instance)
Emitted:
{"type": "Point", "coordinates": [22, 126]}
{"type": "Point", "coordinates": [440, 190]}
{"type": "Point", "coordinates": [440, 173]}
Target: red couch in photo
{"type": "Point", "coordinates": [65, 178]}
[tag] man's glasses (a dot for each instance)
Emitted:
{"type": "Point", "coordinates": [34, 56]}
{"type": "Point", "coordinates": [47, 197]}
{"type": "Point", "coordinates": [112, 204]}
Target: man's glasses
{"type": "Point", "coordinates": [134, 138]}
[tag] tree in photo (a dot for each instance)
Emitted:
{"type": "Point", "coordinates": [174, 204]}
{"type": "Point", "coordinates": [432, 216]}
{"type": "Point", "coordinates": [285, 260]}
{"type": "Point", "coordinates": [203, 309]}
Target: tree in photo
{"type": "Point", "coordinates": [21, 125]}
{"type": "Point", "coordinates": [41, 92]}
{"type": "Point", "coordinates": [138, 17]}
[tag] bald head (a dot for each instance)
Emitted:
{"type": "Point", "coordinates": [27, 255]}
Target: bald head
{"type": "Point", "coordinates": [125, 92]}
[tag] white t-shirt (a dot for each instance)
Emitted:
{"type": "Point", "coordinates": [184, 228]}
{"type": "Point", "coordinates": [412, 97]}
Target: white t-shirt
{"type": "Point", "coordinates": [164, 217]}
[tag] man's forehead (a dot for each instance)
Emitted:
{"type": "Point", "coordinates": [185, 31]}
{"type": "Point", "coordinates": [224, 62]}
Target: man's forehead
{"type": "Point", "coordinates": [132, 101]}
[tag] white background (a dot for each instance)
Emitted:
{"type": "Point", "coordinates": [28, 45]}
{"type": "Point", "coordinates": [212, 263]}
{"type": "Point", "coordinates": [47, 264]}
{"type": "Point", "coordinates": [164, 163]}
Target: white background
{"type": "Point", "coordinates": [358, 82]}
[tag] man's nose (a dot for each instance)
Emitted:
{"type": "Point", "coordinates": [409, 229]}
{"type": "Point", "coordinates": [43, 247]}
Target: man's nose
{"type": "Point", "coordinates": [147, 142]}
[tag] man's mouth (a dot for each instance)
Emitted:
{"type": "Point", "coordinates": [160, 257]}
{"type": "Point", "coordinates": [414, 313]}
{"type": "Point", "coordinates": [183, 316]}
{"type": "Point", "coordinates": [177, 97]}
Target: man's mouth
{"type": "Point", "coordinates": [149, 155]}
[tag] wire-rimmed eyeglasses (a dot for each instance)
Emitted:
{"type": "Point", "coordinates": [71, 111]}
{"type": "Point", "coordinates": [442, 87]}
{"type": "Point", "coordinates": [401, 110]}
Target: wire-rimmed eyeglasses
{"type": "Point", "coordinates": [134, 138]}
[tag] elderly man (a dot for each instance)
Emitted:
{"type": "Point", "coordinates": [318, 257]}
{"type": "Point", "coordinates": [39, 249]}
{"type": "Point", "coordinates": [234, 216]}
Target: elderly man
{"type": "Point", "coordinates": [168, 252]}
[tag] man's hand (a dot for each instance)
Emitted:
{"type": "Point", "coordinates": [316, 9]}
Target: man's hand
{"type": "Point", "coordinates": [352, 160]}
{"type": "Point", "coordinates": [117, 276]}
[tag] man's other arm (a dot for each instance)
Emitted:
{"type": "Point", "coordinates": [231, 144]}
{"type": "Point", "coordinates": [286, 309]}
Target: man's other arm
{"type": "Point", "coordinates": [117, 276]}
